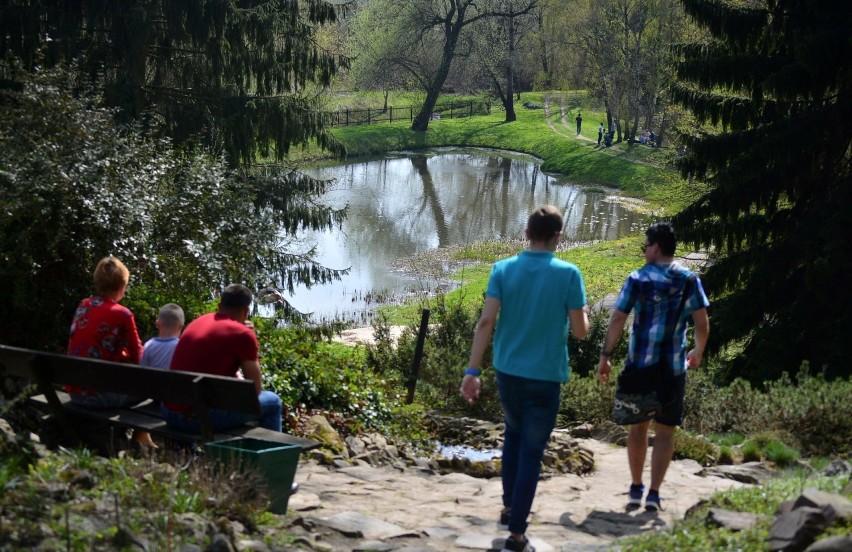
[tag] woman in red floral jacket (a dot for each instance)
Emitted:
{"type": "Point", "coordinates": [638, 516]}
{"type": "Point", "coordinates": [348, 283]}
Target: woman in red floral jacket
{"type": "Point", "coordinates": [105, 330]}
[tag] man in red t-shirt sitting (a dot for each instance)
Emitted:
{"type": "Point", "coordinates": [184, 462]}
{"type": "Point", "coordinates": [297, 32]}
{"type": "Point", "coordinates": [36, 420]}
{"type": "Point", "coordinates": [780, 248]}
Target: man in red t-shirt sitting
{"type": "Point", "coordinates": [220, 343]}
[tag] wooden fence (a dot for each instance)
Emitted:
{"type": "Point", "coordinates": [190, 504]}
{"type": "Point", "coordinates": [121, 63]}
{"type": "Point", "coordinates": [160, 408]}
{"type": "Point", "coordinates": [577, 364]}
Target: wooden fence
{"type": "Point", "coordinates": [453, 110]}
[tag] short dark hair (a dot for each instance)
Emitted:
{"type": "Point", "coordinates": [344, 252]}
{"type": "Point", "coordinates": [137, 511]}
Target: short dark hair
{"type": "Point", "coordinates": [663, 234]}
{"type": "Point", "coordinates": [544, 223]}
{"type": "Point", "coordinates": [235, 296]}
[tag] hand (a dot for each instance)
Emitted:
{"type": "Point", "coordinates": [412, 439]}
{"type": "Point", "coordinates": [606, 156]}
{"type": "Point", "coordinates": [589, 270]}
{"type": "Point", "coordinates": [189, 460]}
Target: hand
{"type": "Point", "coordinates": [470, 387]}
{"type": "Point", "coordinates": [693, 359]}
{"type": "Point", "coordinates": [604, 369]}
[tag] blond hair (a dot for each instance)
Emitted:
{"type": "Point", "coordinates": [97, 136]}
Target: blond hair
{"type": "Point", "coordinates": [110, 276]}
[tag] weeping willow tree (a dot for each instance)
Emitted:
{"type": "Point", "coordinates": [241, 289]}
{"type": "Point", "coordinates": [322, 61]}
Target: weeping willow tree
{"type": "Point", "coordinates": [237, 80]}
{"type": "Point", "coordinates": [774, 82]}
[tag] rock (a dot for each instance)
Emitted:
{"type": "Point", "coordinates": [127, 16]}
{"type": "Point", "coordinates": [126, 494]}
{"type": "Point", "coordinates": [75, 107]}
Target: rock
{"type": "Point", "coordinates": [319, 429]}
{"type": "Point", "coordinates": [252, 545]}
{"type": "Point", "coordinates": [735, 521]}
{"type": "Point", "coordinates": [583, 431]}
{"type": "Point", "coordinates": [795, 530]}
{"type": "Point", "coordinates": [220, 544]}
{"type": "Point", "coordinates": [841, 505]}
{"type": "Point", "coordinates": [753, 473]}
{"type": "Point", "coordinates": [610, 432]}
{"type": "Point", "coordinates": [837, 467]}
{"type": "Point", "coordinates": [831, 544]}
{"type": "Point", "coordinates": [356, 525]}
{"type": "Point", "coordinates": [356, 445]}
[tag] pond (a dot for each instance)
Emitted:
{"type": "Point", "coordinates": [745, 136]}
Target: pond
{"type": "Point", "coordinates": [410, 203]}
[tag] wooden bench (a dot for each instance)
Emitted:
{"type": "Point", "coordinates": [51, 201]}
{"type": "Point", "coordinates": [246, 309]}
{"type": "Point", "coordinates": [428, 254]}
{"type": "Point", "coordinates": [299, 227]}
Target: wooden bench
{"type": "Point", "coordinates": [202, 392]}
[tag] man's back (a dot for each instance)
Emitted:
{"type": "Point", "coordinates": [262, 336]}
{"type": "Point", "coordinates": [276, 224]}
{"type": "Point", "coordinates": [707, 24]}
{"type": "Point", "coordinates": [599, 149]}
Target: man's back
{"type": "Point", "coordinates": [654, 293]}
{"type": "Point", "coordinates": [216, 344]}
{"type": "Point", "coordinates": [536, 290]}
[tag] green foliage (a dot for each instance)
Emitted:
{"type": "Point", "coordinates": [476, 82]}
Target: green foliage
{"type": "Point", "coordinates": [76, 186]}
{"type": "Point", "coordinates": [727, 439]}
{"type": "Point", "coordinates": [812, 414]}
{"type": "Point", "coordinates": [771, 214]}
{"type": "Point", "coordinates": [140, 494]}
{"type": "Point", "coordinates": [694, 533]}
{"type": "Point", "coordinates": [311, 374]}
{"type": "Point", "coordinates": [234, 75]}
{"type": "Point", "coordinates": [780, 454]}
{"type": "Point", "coordinates": [585, 399]}
{"type": "Point", "coordinates": [696, 447]}
{"type": "Point", "coordinates": [445, 355]}
{"type": "Point", "coordinates": [751, 452]}
{"type": "Point", "coordinates": [726, 455]}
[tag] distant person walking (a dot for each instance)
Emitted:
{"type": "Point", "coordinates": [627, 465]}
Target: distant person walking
{"type": "Point", "coordinates": [600, 133]}
{"type": "Point", "coordinates": [536, 295]}
{"type": "Point", "coordinates": [579, 120]}
{"type": "Point", "coordinates": [655, 292]}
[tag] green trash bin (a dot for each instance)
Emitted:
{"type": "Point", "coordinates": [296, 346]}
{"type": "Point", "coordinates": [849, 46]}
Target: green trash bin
{"type": "Point", "coordinates": [275, 462]}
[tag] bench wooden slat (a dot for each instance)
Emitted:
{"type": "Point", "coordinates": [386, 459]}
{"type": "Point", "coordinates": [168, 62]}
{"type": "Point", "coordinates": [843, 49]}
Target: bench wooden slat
{"type": "Point", "coordinates": [201, 391]}
{"type": "Point", "coordinates": [146, 416]}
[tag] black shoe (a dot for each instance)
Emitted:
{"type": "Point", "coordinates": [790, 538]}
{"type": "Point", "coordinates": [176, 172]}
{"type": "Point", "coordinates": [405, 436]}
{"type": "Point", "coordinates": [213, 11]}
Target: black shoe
{"type": "Point", "coordinates": [503, 524]}
{"type": "Point", "coordinates": [512, 545]}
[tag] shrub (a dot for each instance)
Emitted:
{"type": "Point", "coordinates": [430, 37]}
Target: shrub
{"type": "Point", "coordinates": [586, 399]}
{"type": "Point", "coordinates": [726, 455]}
{"type": "Point", "coordinates": [751, 452]}
{"type": "Point", "coordinates": [781, 454]}
{"type": "Point", "coordinates": [696, 447]}
{"type": "Point", "coordinates": [445, 355]}
{"type": "Point", "coordinates": [312, 374]}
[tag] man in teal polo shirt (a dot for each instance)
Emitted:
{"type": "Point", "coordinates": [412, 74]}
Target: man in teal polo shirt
{"type": "Point", "coordinates": [536, 295]}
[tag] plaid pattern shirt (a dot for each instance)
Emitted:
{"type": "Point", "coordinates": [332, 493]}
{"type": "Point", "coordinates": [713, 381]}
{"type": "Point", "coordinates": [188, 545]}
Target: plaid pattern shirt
{"type": "Point", "coordinates": [654, 292]}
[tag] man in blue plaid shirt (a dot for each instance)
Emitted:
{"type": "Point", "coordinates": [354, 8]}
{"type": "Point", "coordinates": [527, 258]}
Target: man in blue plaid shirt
{"type": "Point", "coordinates": [654, 294]}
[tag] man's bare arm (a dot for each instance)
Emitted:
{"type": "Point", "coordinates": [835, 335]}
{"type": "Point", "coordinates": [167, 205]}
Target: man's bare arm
{"type": "Point", "coordinates": [579, 322]}
{"type": "Point", "coordinates": [251, 371]}
{"type": "Point", "coordinates": [616, 326]}
{"type": "Point", "coordinates": [702, 331]}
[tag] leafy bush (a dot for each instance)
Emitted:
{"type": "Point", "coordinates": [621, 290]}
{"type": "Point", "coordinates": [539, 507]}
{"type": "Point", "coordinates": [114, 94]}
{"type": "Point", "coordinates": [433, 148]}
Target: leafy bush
{"type": "Point", "coordinates": [445, 355]}
{"type": "Point", "coordinates": [751, 452]}
{"type": "Point", "coordinates": [311, 374]}
{"type": "Point", "coordinates": [726, 455]}
{"type": "Point", "coordinates": [586, 399]}
{"type": "Point", "coordinates": [696, 447]}
{"type": "Point", "coordinates": [813, 414]}
{"type": "Point", "coordinates": [75, 186]}
{"type": "Point", "coordinates": [781, 454]}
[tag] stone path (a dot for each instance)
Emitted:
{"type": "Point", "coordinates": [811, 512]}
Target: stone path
{"type": "Point", "coordinates": [382, 508]}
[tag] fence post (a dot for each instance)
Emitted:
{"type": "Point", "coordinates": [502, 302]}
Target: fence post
{"type": "Point", "coordinates": [368, 116]}
{"type": "Point", "coordinates": [451, 110]}
{"type": "Point", "coordinates": [470, 110]}
{"type": "Point", "coordinates": [418, 355]}
{"type": "Point", "coordinates": [391, 113]}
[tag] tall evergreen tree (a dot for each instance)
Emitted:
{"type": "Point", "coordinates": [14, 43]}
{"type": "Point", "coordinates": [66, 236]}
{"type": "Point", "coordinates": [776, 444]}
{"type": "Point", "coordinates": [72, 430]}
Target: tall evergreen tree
{"type": "Point", "coordinates": [775, 80]}
{"type": "Point", "coordinates": [232, 73]}
{"type": "Point", "coordinates": [239, 78]}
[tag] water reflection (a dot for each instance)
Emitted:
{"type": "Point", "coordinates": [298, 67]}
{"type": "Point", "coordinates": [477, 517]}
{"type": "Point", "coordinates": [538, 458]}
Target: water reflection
{"type": "Point", "coordinates": [412, 203]}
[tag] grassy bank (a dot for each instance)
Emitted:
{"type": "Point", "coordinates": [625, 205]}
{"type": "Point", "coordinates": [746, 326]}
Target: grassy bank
{"type": "Point", "coordinates": [548, 134]}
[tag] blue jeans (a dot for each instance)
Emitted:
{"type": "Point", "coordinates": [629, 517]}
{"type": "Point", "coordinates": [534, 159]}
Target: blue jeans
{"type": "Point", "coordinates": [530, 408]}
{"type": "Point", "coordinates": [270, 416]}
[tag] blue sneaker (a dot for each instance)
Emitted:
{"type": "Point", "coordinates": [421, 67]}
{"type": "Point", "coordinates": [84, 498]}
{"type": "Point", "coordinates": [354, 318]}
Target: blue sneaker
{"type": "Point", "coordinates": [653, 502]}
{"type": "Point", "coordinates": [635, 494]}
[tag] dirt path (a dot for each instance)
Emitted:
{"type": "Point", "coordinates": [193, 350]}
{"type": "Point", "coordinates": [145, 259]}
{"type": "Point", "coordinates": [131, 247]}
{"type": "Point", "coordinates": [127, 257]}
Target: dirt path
{"type": "Point", "coordinates": [369, 508]}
